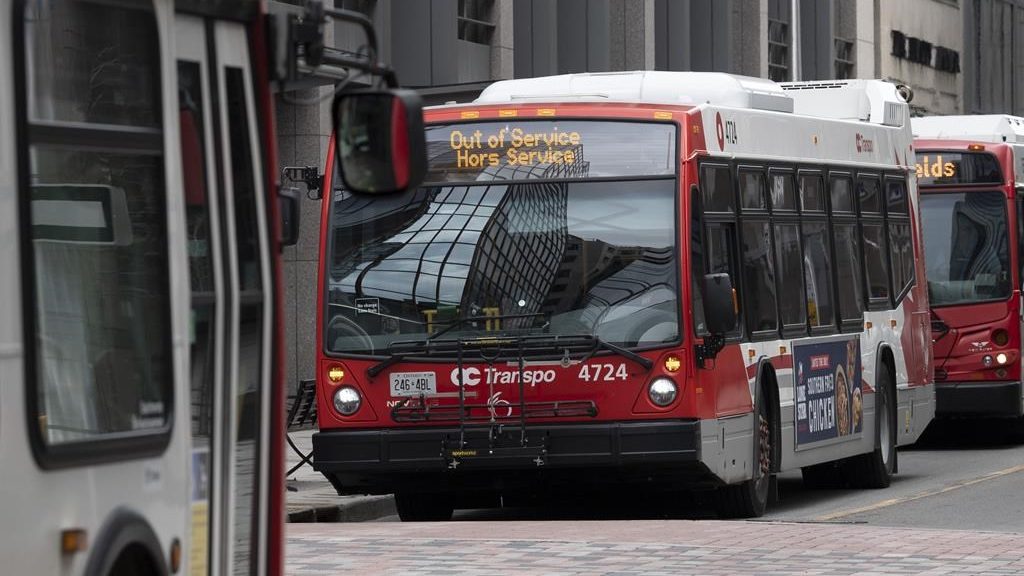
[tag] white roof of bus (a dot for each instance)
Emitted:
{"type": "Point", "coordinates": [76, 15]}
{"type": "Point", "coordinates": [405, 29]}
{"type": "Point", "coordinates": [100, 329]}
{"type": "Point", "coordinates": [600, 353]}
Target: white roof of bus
{"type": "Point", "coordinates": [872, 101]}
{"type": "Point", "coordinates": [982, 128]}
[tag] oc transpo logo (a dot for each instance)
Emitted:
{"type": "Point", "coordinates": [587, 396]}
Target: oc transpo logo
{"type": "Point", "coordinates": [725, 131]}
{"type": "Point", "coordinates": [474, 376]}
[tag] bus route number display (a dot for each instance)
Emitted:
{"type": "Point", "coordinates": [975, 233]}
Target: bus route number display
{"type": "Point", "coordinates": [550, 150]}
{"type": "Point", "coordinates": [829, 397]}
{"type": "Point", "coordinates": [945, 167]}
{"type": "Point", "coordinates": [513, 147]}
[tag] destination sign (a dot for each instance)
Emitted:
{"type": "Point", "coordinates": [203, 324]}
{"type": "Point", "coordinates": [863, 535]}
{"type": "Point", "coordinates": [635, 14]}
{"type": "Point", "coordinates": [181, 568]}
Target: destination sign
{"type": "Point", "coordinates": [530, 150]}
{"type": "Point", "coordinates": [938, 168]}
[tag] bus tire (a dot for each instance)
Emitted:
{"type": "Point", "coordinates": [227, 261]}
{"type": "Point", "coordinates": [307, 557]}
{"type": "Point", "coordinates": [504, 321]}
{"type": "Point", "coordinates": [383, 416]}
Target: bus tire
{"type": "Point", "coordinates": [421, 507]}
{"type": "Point", "coordinates": [749, 499]}
{"type": "Point", "coordinates": [875, 469]}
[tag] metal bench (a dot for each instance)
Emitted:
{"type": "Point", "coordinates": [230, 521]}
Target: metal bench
{"type": "Point", "coordinates": [301, 415]}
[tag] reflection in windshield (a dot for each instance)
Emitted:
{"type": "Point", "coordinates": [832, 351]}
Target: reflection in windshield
{"type": "Point", "coordinates": [567, 258]}
{"type": "Point", "coordinates": [966, 250]}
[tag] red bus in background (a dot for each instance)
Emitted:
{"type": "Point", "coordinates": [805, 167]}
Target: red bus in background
{"type": "Point", "coordinates": [622, 290]}
{"type": "Point", "coordinates": [970, 171]}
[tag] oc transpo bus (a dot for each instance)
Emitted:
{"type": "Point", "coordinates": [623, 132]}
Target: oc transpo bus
{"type": "Point", "coordinates": [970, 170]}
{"type": "Point", "coordinates": [674, 280]}
{"type": "Point", "coordinates": [141, 405]}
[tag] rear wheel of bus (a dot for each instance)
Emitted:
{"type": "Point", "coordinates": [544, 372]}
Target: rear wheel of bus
{"type": "Point", "coordinates": [875, 469]}
{"type": "Point", "coordinates": [424, 507]}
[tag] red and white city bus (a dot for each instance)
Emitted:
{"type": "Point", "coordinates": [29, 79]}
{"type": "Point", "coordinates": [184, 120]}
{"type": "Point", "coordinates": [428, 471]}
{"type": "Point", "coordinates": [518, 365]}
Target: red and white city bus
{"type": "Point", "coordinates": [676, 280]}
{"type": "Point", "coordinates": [141, 402]}
{"type": "Point", "coordinates": [970, 170]}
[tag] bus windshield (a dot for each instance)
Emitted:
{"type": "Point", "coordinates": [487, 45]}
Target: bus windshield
{"type": "Point", "coordinates": [966, 247]}
{"type": "Point", "coordinates": [593, 258]}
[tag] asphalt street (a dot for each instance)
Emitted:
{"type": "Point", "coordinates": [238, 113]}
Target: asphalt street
{"type": "Point", "coordinates": [954, 508]}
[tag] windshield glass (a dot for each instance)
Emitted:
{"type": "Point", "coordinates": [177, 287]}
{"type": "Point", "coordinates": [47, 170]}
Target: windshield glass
{"type": "Point", "coordinates": [966, 247]}
{"type": "Point", "coordinates": [572, 258]}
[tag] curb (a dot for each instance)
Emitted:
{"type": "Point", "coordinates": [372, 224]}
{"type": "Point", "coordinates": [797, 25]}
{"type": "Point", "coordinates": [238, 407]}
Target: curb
{"type": "Point", "coordinates": [361, 510]}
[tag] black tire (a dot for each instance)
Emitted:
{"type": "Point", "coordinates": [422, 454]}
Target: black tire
{"type": "Point", "coordinates": [420, 507]}
{"type": "Point", "coordinates": [875, 470]}
{"type": "Point", "coordinates": [749, 499]}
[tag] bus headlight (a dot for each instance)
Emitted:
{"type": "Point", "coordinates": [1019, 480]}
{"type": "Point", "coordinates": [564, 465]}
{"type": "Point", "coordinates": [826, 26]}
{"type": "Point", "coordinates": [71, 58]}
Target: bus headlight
{"type": "Point", "coordinates": [662, 391]}
{"type": "Point", "coordinates": [1001, 358]}
{"type": "Point", "coordinates": [346, 400]}
{"type": "Point", "coordinates": [986, 360]}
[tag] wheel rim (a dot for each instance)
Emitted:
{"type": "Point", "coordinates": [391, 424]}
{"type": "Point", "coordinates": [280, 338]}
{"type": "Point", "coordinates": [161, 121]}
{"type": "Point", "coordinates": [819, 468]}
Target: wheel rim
{"type": "Point", "coordinates": [764, 451]}
{"type": "Point", "coordinates": [884, 430]}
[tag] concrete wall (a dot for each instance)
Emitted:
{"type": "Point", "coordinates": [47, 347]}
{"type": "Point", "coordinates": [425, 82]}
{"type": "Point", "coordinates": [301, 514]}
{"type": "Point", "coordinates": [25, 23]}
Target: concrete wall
{"type": "Point", "coordinates": [939, 22]}
{"type": "Point", "coordinates": [303, 132]}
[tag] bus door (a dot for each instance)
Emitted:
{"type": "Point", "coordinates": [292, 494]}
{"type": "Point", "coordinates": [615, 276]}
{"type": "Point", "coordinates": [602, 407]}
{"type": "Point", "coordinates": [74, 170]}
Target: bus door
{"type": "Point", "coordinates": [229, 268]}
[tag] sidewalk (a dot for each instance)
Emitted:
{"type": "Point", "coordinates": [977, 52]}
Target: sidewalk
{"type": "Point", "coordinates": [314, 499]}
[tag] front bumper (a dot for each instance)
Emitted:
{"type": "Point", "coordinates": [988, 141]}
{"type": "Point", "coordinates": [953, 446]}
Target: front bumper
{"type": "Point", "coordinates": [383, 461]}
{"type": "Point", "coordinates": [995, 399]}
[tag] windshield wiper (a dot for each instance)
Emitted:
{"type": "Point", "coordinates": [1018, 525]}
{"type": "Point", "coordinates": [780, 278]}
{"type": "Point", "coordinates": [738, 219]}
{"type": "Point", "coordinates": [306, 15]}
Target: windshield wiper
{"type": "Point", "coordinates": [396, 357]}
{"type": "Point", "coordinates": [624, 352]}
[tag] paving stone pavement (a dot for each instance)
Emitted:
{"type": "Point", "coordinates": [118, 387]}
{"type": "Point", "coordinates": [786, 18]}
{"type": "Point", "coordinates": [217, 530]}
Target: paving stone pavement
{"type": "Point", "coordinates": [649, 547]}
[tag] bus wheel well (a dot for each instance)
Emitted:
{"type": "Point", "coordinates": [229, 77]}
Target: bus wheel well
{"type": "Point", "coordinates": [769, 386]}
{"type": "Point", "coordinates": [126, 545]}
{"type": "Point", "coordinates": [135, 558]}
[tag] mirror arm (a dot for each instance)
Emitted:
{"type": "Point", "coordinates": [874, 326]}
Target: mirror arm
{"type": "Point", "coordinates": [366, 24]}
{"type": "Point", "coordinates": [308, 175]}
{"type": "Point", "coordinates": [709, 349]}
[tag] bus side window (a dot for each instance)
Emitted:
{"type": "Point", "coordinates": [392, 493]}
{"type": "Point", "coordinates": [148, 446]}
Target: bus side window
{"type": "Point", "coordinates": [901, 252]}
{"type": "Point", "coordinates": [697, 260]}
{"type": "Point", "coordinates": [846, 241]}
{"type": "Point", "coordinates": [101, 365]}
{"type": "Point", "coordinates": [1020, 234]}
{"type": "Point", "coordinates": [758, 256]}
{"type": "Point", "coordinates": [817, 258]}
{"type": "Point", "coordinates": [876, 256]}
{"type": "Point", "coordinates": [721, 253]}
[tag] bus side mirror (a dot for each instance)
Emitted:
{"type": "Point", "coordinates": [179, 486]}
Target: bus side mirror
{"type": "Point", "coordinates": [719, 304]}
{"type": "Point", "coordinates": [380, 144]}
{"type": "Point", "coordinates": [289, 210]}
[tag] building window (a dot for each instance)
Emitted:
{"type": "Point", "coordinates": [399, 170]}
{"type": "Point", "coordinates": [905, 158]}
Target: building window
{"type": "Point", "coordinates": [778, 50]}
{"type": "Point", "coordinates": [476, 21]}
{"type": "Point", "coordinates": [844, 58]}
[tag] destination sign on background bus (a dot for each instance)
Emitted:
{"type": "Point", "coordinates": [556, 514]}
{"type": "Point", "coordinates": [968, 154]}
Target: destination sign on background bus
{"type": "Point", "coordinates": [944, 167]}
{"type": "Point", "coordinates": [531, 149]}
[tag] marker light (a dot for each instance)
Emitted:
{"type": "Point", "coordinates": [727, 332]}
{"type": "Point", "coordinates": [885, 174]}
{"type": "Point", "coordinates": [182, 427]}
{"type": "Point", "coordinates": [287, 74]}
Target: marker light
{"type": "Point", "coordinates": [335, 373]}
{"type": "Point", "coordinates": [346, 400]}
{"type": "Point", "coordinates": [673, 364]}
{"type": "Point", "coordinates": [1000, 337]}
{"type": "Point", "coordinates": [73, 540]}
{"type": "Point", "coordinates": [975, 147]}
{"type": "Point", "coordinates": [1001, 358]}
{"type": "Point", "coordinates": [987, 360]}
{"type": "Point", "coordinates": [662, 391]}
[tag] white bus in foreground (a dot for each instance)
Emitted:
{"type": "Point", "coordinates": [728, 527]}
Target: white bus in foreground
{"type": "Point", "coordinates": [141, 397]}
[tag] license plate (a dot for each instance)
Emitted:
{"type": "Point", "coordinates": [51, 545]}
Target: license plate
{"type": "Point", "coordinates": [413, 383]}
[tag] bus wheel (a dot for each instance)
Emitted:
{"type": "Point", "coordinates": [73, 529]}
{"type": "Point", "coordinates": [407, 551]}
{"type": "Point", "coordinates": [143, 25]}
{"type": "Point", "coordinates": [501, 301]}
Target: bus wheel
{"type": "Point", "coordinates": [421, 507]}
{"type": "Point", "coordinates": [750, 498]}
{"type": "Point", "coordinates": [875, 470]}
